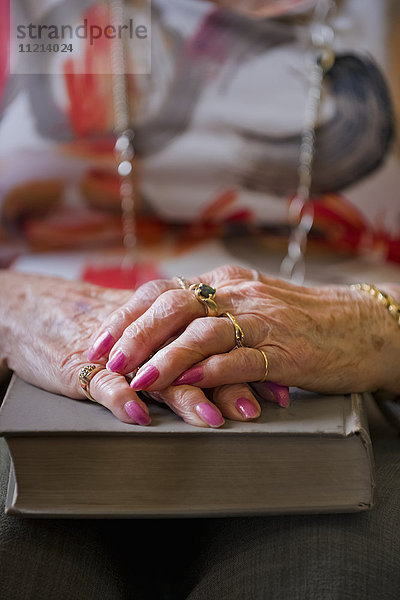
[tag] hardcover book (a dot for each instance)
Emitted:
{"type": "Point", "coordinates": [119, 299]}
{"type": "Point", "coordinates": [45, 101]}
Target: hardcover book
{"type": "Point", "coordinates": [73, 458]}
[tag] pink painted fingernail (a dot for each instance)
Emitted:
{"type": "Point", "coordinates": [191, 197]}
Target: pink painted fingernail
{"type": "Point", "coordinates": [117, 362]}
{"type": "Point", "coordinates": [247, 408]}
{"type": "Point", "coordinates": [145, 377]}
{"type": "Point", "coordinates": [192, 375]}
{"type": "Point", "coordinates": [103, 344]}
{"type": "Point", "coordinates": [137, 413]}
{"type": "Point", "coordinates": [280, 393]}
{"type": "Point", "coordinates": [209, 414]}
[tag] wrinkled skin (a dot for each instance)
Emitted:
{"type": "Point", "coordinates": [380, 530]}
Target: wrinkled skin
{"type": "Point", "coordinates": [329, 339]}
{"type": "Point", "coordinates": [46, 328]}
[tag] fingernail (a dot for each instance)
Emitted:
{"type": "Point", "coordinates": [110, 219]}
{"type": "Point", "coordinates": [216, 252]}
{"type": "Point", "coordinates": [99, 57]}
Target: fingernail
{"type": "Point", "coordinates": [246, 408]}
{"type": "Point", "coordinates": [137, 413]}
{"type": "Point", "coordinates": [117, 362]}
{"type": "Point", "coordinates": [190, 376]}
{"type": "Point", "coordinates": [103, 344]}
{"type": "Point", "coordinates": [144, 378]}
{"type": "Point", "coordinates": [280, 393]}
{"type": "Point", "coordinates": [209, 414]}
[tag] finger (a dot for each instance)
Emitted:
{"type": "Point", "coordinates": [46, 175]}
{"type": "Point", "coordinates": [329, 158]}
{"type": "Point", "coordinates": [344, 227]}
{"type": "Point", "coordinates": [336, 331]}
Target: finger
{"type": "Point", "coordinates": [202, 338]}
{"type": "Point", "coordinates": [229, 273]}
{"type": "Point", "coordinates": [236, 402]}
{"type": "Point", "coordinates": [170, 314]}
{"type": "Point", "coordinates": [268, 390]}
{"type": "Point", "coordinates": [239, 366]}
{"type": "Point", "coordinates": [192, 405]}
{"type": "Point", "coordinates": [113, 391]}
{"type": "Point", "coordinates": [118, 321]}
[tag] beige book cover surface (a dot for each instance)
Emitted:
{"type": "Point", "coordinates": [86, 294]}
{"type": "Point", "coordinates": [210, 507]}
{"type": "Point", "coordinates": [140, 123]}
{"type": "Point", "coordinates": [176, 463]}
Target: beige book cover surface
{"type": "Point", "coordinates": [75, 459]}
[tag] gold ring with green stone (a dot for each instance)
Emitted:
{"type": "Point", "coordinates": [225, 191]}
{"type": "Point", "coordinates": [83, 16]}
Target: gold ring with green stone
{"type": "Point", "coordinates": [205, 294]}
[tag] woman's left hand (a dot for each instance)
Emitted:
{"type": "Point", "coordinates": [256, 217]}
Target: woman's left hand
{"type": "Point", "coordinates": [324, 339]}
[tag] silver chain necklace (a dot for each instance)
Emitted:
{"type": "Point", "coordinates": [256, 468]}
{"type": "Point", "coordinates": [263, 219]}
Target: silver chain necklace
{"type": "Point", "coordinates": [124, 149]}
{"type": "Point", "coordinates": [301, 210]}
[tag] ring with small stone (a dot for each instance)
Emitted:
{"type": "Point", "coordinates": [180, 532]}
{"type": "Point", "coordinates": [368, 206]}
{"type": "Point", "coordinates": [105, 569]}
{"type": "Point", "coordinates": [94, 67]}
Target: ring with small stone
{"type": "Point", "coordinates": [205, 294]}
{"type": "Point", "coordinates": [85, 376]}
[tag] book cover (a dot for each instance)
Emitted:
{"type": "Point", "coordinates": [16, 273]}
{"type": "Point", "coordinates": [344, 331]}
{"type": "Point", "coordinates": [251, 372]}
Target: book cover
{"type": "Point", "coordinates": [73, 458]}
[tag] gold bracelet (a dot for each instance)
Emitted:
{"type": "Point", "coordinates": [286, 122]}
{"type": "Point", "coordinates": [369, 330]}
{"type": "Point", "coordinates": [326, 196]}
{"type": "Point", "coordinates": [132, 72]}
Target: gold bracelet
{"type": "Point", "coordinates": [388, 301]}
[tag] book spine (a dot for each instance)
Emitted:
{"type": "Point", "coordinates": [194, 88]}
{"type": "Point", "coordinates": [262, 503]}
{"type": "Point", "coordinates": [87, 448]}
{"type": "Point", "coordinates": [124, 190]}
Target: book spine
{"type": "Point", "coordinates": [356, 423]}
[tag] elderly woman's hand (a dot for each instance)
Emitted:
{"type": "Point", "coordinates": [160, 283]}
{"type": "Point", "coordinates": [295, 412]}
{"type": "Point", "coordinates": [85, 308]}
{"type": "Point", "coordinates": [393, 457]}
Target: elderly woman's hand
{"type": "Point", "coordinates": [329, 339]}
{"type": "Point", "coordinates": [46, 327]}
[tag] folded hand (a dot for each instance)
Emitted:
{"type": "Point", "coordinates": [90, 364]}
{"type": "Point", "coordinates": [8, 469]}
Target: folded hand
{"type": "Point", "coordinates": [324, 339]}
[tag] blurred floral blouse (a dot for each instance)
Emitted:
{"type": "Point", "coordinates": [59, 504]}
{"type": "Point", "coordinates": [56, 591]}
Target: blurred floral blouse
{"type": "Point", "coordinates": [217, 131]}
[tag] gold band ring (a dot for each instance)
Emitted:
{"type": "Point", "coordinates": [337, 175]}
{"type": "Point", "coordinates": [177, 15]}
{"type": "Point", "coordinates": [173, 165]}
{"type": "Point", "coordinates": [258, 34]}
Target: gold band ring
{"type": "Point", "coordinates": [205, 294]}
{"type": "Point", "coordinates": [85, 376]}
{"type": "Point", "coordinates": [264, 378]}
{"type": "Point", "coordinates": [239, 335]}
{"type": "Point", "coordinates": [182, 282]}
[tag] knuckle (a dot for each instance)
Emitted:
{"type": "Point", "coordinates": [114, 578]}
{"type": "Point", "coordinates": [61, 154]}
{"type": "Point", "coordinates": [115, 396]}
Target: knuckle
{"type": "Point", "coordinates": [182, 401]}
{"type": "Point", "coordinates": [228, 392]}
{"type": "Point", "coordinates": [230, 272]}
{"type": "Point", "coordinates": [247, 357]}
{"type": "Point", "coordinates": [200, 330]}
{"type": "Point", "coordinates": [66, 368]}
{"type": "Point", "coordinates": [121, 316]}
{"type": "Point", "coordinates": [178, 356]}
{"type": "Point", "coordinates": [213, 327]}
{"type": "Point", "coordinates": [197, 329]}
{"type": "Point", "coordinates": [103, 388]}
{"type": "Point", "coordinates": [129, 334]}
{"type": "Point", "coordinates": [138, 332]}
{"type": "Point", "coordinates": [256, 274]}
{"type": "Point", "coordinates": [152, 289]}
{"type": "Point", "coordinates": [253, 288]}
{"type": "Point", "coordinates": [185, 400]}
{"type": "Point", "coordinates": [257, 328]}
{"type": "Point", "coordinates": [169, 303]}
{"type": "Point", "coordinates": [100, 384]}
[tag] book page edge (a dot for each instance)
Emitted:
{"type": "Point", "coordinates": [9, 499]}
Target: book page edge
{"type": "Point", "coordinates": [356, 423]}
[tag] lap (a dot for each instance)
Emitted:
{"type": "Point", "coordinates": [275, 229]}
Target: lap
{"type": "Point", "coordinates": [64, 559]}
{"type": "Point", "coordinates": [329, 557]}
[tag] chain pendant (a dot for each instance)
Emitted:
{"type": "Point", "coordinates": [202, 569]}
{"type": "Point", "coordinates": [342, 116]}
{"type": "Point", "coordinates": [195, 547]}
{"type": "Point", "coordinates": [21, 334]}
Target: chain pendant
{"type": "Point", "coordinates": [124, 149]}
{"type": "Point", "coordinates": [301, 210]}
